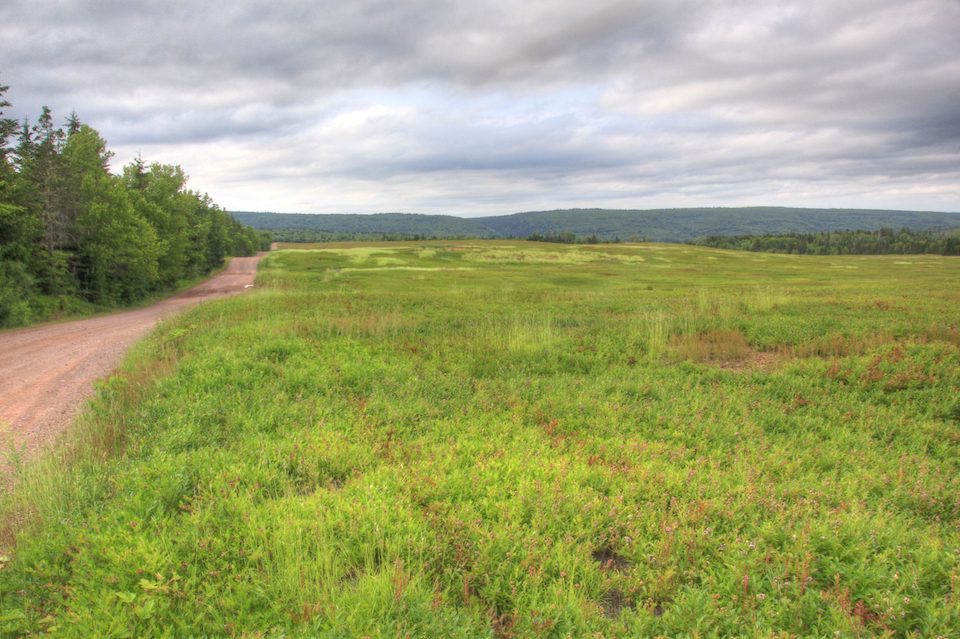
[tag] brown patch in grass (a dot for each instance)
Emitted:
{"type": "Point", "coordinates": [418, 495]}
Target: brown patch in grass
{"type": "Point", "coordinates": [839, 345]}
{"type": "Point", "coordinates": [755, 361]}
{"type": "Point", "coordinates": [613, 602]}
{"type": "Point", "coordinates": [609, 559]}
{"type": "Point", "coordinates": [725, 349]}
{"type": "Point", "coordinates": [711, 346]}
{"type": "Point", "coordinates": [834, 346]}
{"type": "Point", "coordinates": [503, 625]}
{"type": "Point", "coordinates": [941, 333]}
{"type": "Point", "coordinates": [863, 612]}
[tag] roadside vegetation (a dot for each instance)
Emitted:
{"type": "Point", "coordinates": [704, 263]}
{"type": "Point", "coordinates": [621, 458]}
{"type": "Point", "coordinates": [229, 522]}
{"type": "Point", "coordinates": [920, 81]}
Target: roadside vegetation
{"type": "Point", "coordinates": [508, 439]}
{"type": "Point", "coordinates": [75, 238]}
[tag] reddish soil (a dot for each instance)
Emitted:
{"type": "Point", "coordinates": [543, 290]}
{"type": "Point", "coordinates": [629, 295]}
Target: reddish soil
{"type": "Point", "coordinates": [47, 372]}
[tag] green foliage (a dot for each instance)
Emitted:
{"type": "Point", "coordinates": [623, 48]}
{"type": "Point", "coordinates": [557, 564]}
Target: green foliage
{"type": "Point", "coordinates": [569, 238]}
{"type": "Point", "coordinates": [19, 262]}
{"type": "Point", "coordinates": [8, 128]}
{"type": "Point", "coordinates": [881, 242]}
{"type": "Point", "coordinates": [75, 237]}
{"type": "Point", "coordinates": [119, 249]}
{"type": "Point", "coordinates": [496, 439]}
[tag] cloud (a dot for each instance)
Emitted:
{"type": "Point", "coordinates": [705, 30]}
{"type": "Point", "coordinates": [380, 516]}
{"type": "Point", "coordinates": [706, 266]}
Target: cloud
{"type": "Point", "coordinates": [492, 107]}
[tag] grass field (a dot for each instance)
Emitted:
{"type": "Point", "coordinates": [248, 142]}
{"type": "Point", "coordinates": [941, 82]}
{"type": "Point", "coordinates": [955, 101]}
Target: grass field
{"type": "Point", "coordinates": [506, 439]}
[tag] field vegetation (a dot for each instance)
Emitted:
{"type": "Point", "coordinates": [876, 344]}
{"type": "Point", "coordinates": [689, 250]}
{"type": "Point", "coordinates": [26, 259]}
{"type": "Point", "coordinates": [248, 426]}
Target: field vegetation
{"type": "Point", "coordinates": [510, 439]}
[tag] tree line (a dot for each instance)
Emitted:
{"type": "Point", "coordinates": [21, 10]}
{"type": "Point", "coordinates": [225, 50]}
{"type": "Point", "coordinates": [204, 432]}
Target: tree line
{"type": "Point", "coordinates": [293, 235]}
{"type": "Point", "coordinates": [567, 237]}
{"type": "Point", "coordinates": [75, 237]}
{"type": "Point", "coordinates": [881, 242]}
{"type": "Point", "coordinates": [312, 236]}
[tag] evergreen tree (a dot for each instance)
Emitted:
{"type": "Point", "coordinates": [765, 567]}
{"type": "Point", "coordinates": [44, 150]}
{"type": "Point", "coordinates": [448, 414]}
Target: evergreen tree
{"type": "Point", "coordinates": [39, 164]}
{"type": "Point", "coordinates": [73, 123]}
{"type": "Point", "coordinates": [8, 128]}
{"type": "Point", "coordinates": [19, 234]}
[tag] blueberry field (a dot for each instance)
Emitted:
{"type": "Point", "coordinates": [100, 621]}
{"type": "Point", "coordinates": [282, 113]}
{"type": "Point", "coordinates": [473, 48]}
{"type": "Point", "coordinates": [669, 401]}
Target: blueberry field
{"type": "Point", "coordinates": [511, 439]}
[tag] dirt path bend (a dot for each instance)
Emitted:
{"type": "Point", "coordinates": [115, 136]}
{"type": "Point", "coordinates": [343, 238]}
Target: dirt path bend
{"type": "Point", "coordinates": [47, 372]}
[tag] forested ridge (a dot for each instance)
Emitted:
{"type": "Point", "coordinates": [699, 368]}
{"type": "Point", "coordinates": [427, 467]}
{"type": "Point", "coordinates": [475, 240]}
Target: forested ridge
{"type": "Point", "coordinates": [74, 237]}
{"type": "Point", "coordinates": [657, 225]}
{"type": "Point", "coordinates": [685, 224]}
{"type": "Point", "coordinates": [339, 227]}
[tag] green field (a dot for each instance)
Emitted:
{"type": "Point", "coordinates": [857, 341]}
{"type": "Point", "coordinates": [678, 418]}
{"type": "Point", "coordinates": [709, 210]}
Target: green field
{"type": "Point", "coordinates": [507, 439]}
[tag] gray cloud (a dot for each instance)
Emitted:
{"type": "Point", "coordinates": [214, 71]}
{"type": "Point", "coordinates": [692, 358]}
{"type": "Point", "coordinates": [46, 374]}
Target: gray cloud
{"type": "Point", "coordinates": [471, 108]}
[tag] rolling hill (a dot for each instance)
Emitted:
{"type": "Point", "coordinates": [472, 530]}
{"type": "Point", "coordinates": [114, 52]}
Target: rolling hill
{"type": "Point", "coordinates": [376, 224]}
{"type": "Point", "coordinates": [665, 225]}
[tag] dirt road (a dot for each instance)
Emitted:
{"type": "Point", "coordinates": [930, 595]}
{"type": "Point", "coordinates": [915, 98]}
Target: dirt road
{"type": "Point", "coordinates": [47, 372]}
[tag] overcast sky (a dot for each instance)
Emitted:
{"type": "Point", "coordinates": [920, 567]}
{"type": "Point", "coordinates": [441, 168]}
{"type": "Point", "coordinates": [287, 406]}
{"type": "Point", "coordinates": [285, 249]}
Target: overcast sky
{"type": "Point", "coordinates": [485, 107]}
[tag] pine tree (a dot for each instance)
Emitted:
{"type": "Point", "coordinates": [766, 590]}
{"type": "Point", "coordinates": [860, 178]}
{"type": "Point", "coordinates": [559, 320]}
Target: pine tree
{"type": "Point", "coordinates": [8, 128]}
{"type": "Point", "coordinates": [39, 159]}
{"type": "Point", "coordinates": [73, 123]}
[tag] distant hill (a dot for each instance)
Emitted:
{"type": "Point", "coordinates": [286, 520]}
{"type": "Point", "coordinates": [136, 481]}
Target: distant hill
{"type": "Point", "coordinates": [665, 225]}
{"type": "Point", "coordinates": [678, 225]}
{"type": "Point", "coordinates": [376, 224]}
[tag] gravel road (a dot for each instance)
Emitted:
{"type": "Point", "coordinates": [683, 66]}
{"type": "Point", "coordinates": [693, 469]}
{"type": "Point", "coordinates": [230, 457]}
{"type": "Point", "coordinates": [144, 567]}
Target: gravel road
{"type": "Point", "coordinates": [47, 372]}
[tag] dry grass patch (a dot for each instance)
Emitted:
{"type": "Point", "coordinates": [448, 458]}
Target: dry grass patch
{"type": "Point", "coordinates": [718, 346]}
{"type": "Point", "coordinates": [941, 333]}
{"type": "Point", "coordinates": [727, 349]}
{"type": "Point", "coordinates": [840, 345]}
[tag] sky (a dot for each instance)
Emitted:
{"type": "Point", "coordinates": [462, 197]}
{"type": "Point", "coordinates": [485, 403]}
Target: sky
{"type": "Point", "coordinates": [490, 107]}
